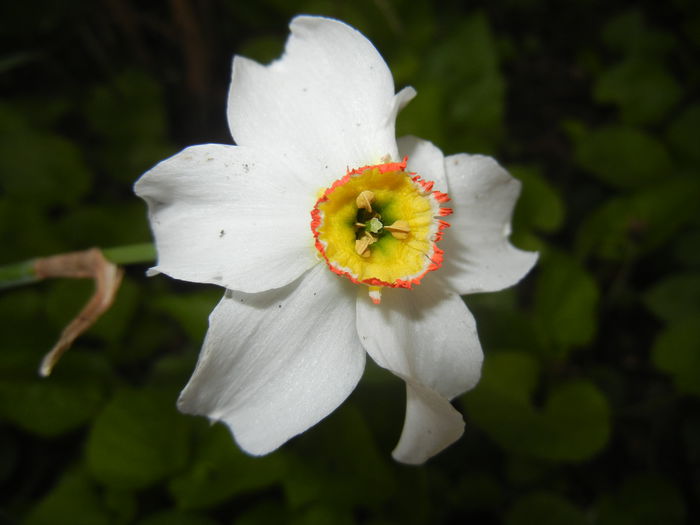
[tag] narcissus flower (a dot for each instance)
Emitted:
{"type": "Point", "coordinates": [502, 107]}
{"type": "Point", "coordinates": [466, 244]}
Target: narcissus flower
{"type": "Point", "coordinates": [332, 239]}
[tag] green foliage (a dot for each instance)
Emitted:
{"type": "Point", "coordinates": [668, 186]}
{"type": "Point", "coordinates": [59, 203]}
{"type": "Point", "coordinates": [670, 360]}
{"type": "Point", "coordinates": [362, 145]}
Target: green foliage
{"type": "Point", "coordinates": [52, 407]}
{"type": "Point", "coordinates": [64, 402]}
{"type": "Point", "coordinates": [57, 176]}
{"type": "Point", "coordinates": [642, 500]}
{"type": "Point", "coordinates": [622, 156]}
{"type": "Point", "coordinates": [643, 91]}
{"type": "Point", "coordinates": [640, 85]}
{"type": "Point", "coordinates": [137, 440]}
{"type": "Point", "coordinates": [172, 517]}
{"type": "Point", "coordinates": [682, 134]}
{"type": "Point", "coordinates": [572, 425]}
{"type": "Point", "coordinates": [675, 297]}
{"type": "Point", "coordinates": [629, 34]}
{"type": "Point", "coordinates": [191, 311]}
{"type": "Point", "coordinates": [221, 471]}
{"type": "Point", "coordinates": [677, 352]}
{"type": "Point", "coordinates": [540, 206]}
{"type": "Point", "coordinates": [326, 471]}
{"type": "Point", "coordinates": [635, 224]}
{"type": "Point", "coordinates": [546, 509]}
{"type": "Point", "coordinates": [460, 90]}
{"type": "Point", "coordinates": [566, 300]}
{"type": "Point", "coordinates": [128, 119]}
{"type": "Point", "coordinates": [59, 506]}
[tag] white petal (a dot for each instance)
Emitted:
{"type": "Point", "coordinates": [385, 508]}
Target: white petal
{"type": "Point", "coordinates": [425, 159]}
{"type": "Point", "coordinates": [230, 216]}
{"type": "Point", "coordinates": [329, 100]}
{"type": "Point", "coordinates": [276, 363]}
{"type": "Point", "coordinates": [478, 256]}
{"type": "Point", "coordinates": [427, 336]}
{"type": "Point", "coordinates": [431, 425]}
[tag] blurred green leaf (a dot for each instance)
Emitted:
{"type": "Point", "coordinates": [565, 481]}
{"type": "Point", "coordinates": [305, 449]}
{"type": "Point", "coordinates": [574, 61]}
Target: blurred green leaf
{"type": "Point", "coordinates": [220, 471]}
{"type": "Point", "coordinates": [544, 508]}
{"type": "Point", "coordinates": [683, 133]}
{"type": "Point", "coordinates": [484, 491]}
{"type": "Point", "coordinates": [74, 500]}
{"type": "Point", "coordinates": [25, 230]}
{"type": "Point", "coordinates": [267, 510]}
{"type": "Point", "coordinates": [643, 500]}
{"type": "Point", "coordinates": [566, 300]}
{"type": "Point", "coordinates": [633, 225]}
{"type": "Point", "coordinates": [121, 504]}
{"type": "Point", "coordinates": [175, 517]}
{"type": "Point", "coordinates": [37, 165]}
{"type": "Point", "coordinates": [105, 225]}
{"type": "Point", "coordinates": [263, 49]}
{"type": "Point", "coordinates": [128, 118]}
{"type": "Point", "coordinates": [173, 370]}
{"type": "Point", "coordinates": [573, 424]}
{"type": "Point", "coordinates": [643, 90]}
{"type": "Point", "coordinates": [9, 455]}
{"type": "Point", "coordinates": [540, 206]}
{"type": "Point", "coordinates": [621, 156]}
{"type": "Point", "coordinates": [461, 91]}
{"type": "Point", "coordinates": [137, 440]}
{"type": "Point", "coordinates": [686, 248]}
{"type": "Point", "coordinates": [55, 405]}
{"type": "Point", "coordinates": [675, 297]}
{"type": "Point", "coordinates": [503, 326]}
{"type": "Point", "coordinates": [325, 468]}
{"type": "Point", "coordinates": [190, 310]}
{"type": "Point", "coordinates": [677, 352]}
{"type": "Point", "coordinates": [629, 34]}
{"type": "Point", "coordinates": [323, 514]}
{"type": "Point", "coordinates": [8, 62]}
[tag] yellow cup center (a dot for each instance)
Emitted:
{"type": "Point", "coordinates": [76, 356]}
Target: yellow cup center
{"type": "Point", "coordinates": [378, 225]}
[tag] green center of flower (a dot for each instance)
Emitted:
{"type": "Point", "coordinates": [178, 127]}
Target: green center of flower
{"type": "Point", "coordinates": [369, 227]}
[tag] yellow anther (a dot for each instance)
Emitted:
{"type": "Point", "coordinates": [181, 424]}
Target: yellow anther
{"type": "Point", "coordinates": [364, 200]}
{"type": "Point", "coordinates": [400, 229]}
{"type": "Point", "coordinates": [375, 293]}
{"type": "Point", "coordinates": [362, 245]}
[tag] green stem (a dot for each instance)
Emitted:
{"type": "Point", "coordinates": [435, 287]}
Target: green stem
{"type": "Point", "coordinates": [131, 253]}
{"type": "Point", "coordinates": [18, 274]}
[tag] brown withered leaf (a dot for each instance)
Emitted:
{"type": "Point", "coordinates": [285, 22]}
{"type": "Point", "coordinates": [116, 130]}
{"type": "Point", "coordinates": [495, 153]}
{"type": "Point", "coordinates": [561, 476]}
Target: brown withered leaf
{"type": "Point", "coordinates": [88, 264]}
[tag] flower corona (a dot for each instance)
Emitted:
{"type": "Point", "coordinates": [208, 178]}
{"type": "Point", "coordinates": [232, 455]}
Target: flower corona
{"type": "Point", "coordinates": [379, 226]}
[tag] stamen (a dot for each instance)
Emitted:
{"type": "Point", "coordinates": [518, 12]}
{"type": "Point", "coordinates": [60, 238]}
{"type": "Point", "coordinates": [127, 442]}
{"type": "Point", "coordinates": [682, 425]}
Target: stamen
{"type": "Point", "coordinates": [364, 200]}
{"type": "Point", "coordinates": [362, 245]}
{"type": "Point", "coordinates": [375, 293]}
{"type": "Point", "coordinates": [399, 230]}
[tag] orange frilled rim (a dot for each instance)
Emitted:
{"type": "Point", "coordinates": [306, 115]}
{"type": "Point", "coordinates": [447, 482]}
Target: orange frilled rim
{"type": "Point", "coordinates": [431, 255]}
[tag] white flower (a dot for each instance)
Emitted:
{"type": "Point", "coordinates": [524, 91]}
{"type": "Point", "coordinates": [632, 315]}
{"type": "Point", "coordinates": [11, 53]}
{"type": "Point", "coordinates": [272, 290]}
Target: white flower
{"type": "Point", "coordinates": [326, 241]}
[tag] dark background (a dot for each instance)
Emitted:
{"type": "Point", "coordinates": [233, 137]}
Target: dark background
{"type": "Point", "coordinates": [587, 412]}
